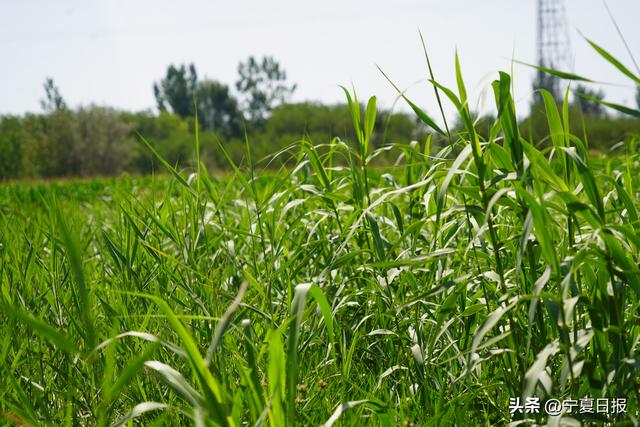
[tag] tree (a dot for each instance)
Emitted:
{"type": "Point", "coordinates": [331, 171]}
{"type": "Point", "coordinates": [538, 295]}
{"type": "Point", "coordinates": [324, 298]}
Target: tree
{"type": "Point", "coordinates": [170, 134]}
{"type": "Point", "coordinates": [103, 142]}
{"type": "Point", "coordinates": [217, 109]}
{"type": "Point", "coordinates": [638, 96]}
{"type": "Point", "coordinates": [587, 100]}
{"type": "Point", "coordinates": [177, 90]}
{"type": "Point", "coordinates": [11, 142]}
{"type": "Point", "coordinates": [180, 91]}
{"type": "Point", "coordinates": [263, 84]}
{"type": "Point", "coordinates": [53, 100]}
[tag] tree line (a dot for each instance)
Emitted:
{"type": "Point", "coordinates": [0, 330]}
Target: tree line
{"type": "Point", "coordinates": [102, 141]}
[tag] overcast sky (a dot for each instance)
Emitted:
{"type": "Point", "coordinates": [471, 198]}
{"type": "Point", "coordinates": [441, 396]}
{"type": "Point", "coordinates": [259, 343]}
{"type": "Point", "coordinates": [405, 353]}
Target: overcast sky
{"type": "Point", "coordinates": [110, 52]}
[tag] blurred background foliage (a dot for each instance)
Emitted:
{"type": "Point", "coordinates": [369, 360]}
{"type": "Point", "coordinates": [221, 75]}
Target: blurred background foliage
{"type": "Point", "coordinates": [101, 141]}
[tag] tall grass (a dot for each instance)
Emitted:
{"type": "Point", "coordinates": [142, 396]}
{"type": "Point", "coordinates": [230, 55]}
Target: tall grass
{"type": "Point", "coordinates": [427, 293]}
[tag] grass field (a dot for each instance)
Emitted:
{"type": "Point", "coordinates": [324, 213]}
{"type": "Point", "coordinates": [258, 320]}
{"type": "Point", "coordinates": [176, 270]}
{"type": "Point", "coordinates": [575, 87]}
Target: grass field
{"type": "Point", "coordinates": [428, 293]}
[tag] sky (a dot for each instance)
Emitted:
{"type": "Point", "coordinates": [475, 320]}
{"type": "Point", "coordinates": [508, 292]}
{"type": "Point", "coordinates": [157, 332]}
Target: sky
{"type": "Point", "coordinates": [110, 52]}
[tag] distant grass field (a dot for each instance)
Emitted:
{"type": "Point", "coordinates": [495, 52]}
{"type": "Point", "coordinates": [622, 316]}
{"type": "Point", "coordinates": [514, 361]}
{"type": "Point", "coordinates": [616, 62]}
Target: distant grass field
{"type": "Point", "coordinates": [426, 294]}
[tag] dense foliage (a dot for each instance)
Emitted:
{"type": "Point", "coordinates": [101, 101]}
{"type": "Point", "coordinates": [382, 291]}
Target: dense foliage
{"type": "Point", "coordinates": [98, 141]}
{"type": "Point", "coordinates": [101, 141]}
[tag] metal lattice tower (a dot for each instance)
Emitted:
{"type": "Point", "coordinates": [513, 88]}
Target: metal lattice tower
{"type": "Point", "coordinates": [554, 46]}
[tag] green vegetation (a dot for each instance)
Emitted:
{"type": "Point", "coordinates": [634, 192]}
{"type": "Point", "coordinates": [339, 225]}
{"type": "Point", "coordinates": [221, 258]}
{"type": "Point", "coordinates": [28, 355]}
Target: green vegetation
{"type": "Point", "coordinates": [323, 289]}
{"type": "Point", "coordinates": [97, 141]}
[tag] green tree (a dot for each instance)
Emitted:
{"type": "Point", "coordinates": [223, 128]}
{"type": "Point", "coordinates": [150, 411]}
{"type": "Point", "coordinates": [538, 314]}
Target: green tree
{"type": "Point", "coordinates": [56, 146]}
{"type": "Point", "coordinates": [103, 145]}
{"type": "Point", "coordinates": [170, 134]}
{"type": "Point", "coordinates": [264, 87]}
{"type": "Point", "coordinates": [177, 90]}
{"type": "Point", "coordinates": [587, 100]}
{"type": "Point", "coordinates": [217, 109]}
{"type": "Point", "coordinates": [53, 100]}
{"type": "Point", "coordinates": [180, 91]}
{"type": "Point", "coordinates": [11, 136]}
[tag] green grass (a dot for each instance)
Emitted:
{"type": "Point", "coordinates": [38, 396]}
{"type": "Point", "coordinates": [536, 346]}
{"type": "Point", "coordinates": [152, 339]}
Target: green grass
{"type": "Point", "coordinates": [428, 293]}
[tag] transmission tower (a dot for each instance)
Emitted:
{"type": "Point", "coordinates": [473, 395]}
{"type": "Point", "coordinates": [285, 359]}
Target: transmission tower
{"type": "Point", "coordinates": [554, 45]}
